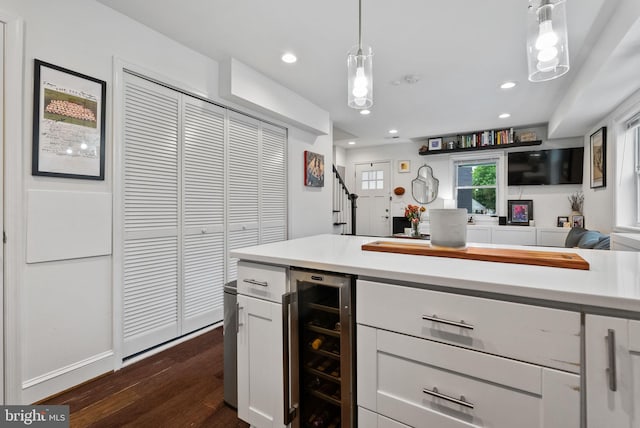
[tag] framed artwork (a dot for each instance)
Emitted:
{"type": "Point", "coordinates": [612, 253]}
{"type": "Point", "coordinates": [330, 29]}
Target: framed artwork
{"type": "Point", "coordinates": [68, 123]}
{"type": "Point", "coordinates": [598, 143]}
{"type": "Point", "coordinates": [520, 212]}
{"type": "Point", "coordinates": [404, 166]}
{"type": "Point", "coordinates": [562, 220]}
{"type": "Point", "coordinates": [313, 169]}
{"type": "Point", "coordinates": [435, 143]}
{"type": "Point", "coordinates": [577, 221]}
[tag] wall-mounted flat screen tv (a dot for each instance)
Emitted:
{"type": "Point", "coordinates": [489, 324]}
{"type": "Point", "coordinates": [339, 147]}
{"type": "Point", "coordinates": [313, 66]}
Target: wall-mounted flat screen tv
{"type": "Point", "coordinates": [556, 166]}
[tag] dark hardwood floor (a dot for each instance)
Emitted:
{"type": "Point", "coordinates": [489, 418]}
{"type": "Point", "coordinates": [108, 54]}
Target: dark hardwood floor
{"type": "Point", "coordinates": [179, 387]}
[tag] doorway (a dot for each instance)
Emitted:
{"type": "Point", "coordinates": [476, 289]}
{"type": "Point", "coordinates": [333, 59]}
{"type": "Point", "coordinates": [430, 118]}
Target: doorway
{"type": "Point", "coordinates": [373, 182]}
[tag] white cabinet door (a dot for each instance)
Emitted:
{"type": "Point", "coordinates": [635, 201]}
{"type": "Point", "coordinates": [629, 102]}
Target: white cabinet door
{"type": "Point", "coordinates": [260, 381]}
{"type": "Point", "coordinates": [612, 354]}
{"type": "Point", "coordinates": [514, 235]}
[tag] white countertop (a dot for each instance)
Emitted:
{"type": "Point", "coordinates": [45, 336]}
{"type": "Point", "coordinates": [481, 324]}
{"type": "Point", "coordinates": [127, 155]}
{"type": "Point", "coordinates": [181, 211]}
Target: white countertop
{"type": "Point", "coordinates": [613, 281]}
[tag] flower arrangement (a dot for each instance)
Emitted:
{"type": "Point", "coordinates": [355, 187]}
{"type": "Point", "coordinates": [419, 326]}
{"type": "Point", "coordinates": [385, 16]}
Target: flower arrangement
{"type": "Point", "coordinates": [413, 213]}
{"type": "Point", "coordinates": [576, 200]}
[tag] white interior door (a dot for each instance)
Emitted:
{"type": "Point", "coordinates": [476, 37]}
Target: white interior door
{"type": "Point", "coordinates": [373, 214]}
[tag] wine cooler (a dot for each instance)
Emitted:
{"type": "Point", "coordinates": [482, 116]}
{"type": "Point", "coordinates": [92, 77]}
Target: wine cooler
{"type": "Point", "coordinates": [318, 320]}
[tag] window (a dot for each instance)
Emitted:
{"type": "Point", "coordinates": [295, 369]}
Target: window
{"type": "Point", "coordinates": [627, 175]}
{"type": "Point", "coordinates": [635, 133]}
{"type": "Point", "coordinates": [477, 185]}
{"type": "Point", "coordinates": [372, 180]}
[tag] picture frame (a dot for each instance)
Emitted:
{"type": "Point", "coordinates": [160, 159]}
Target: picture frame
{"type": "Point", "coordinates": [562, 220]}
{"type": "Point", "coordinates": [313, 169]}
{"type": "Point", "coordinates": [577, 220]}
{"type": "Point", "coordinates": [435, 143]}
{"type": "Point", "coordinates": [68, 123]}
{"type": "Point", "coordinates": [404, 166]}
{"type": "Point", "coordinates": [598, 158]}
{"type": "Point", "coordinates": [520, 212]}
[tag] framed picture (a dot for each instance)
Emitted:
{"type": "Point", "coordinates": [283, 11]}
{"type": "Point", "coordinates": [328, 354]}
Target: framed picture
{"type": "Point", "coordinates": [313, 169]}
{"type": "Point", "coordinates": [520, 212]}
{"type": "Point", "coordinates": [598, 143]}
{"type": "Point", "coordinates": [404, 166]}
{"type": "Point", "coordinates": [562, 220]}
{"type": "Point", "coordinates": [577, 221]}
{"type": "Point", "coordinates": [435, 143]}
{"type": "Point", "coordinates": [68, 123]}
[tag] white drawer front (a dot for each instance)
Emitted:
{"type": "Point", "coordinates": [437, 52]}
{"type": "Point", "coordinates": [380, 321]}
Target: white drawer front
{"type": "Point", "coordinates": [548, 337]}
{"type": "Point", "coordinates": [493, 392]}
{"type": "Point", "coordinates": [262, 281]}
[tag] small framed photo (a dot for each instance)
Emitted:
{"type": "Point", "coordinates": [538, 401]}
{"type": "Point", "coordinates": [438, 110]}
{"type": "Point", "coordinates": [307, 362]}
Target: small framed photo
{"type": "Point", "coordinates": [598, 144]}
{"type": "Point", "coordinates": [435, 143]}
{"type": "Point", "coordinates": [562, 220]}
{"type": "Point", "coordinates": [404, 166]}
{"type": "Point", "coordinates": [520, 212]}
{"type": "Point", "coordinates": [68, 123]}
{"type": "Point", "coordinates": [577, 221]}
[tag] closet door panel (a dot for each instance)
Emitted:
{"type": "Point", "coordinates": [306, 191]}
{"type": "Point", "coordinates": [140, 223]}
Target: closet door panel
{"type": "Point", "coordinates": [273, 184]}
{"type": "Point", "coordinates": [151, 215]}
{"type": "Point", "coordinates": [242, 186]}
{"type": "Point", "coordinates": [203, 213]}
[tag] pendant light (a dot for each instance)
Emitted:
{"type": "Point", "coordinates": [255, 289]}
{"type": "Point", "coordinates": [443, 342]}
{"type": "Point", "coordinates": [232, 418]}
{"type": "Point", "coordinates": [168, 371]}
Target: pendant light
{"type": "Point", "coordinates": [547, 43]}
{"type": "Point", "coordinates": [360, 71]}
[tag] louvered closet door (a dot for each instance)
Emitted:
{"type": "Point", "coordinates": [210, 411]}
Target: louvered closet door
{"type": "Point", "coordinates": [242, 186]}
{"type": "Point", "coordinates": [150, 256]}
{"type": "Point", "coordinates": [273, 184]}
{"type": "Point", "coordinates": [203, 199]}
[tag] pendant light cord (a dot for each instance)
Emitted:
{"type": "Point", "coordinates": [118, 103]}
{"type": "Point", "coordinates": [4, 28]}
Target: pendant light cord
{"type": "Point", "coordinates": [360, 27]}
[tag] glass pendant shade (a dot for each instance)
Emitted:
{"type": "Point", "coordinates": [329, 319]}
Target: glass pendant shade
{"type": "Point", "coordinates": [547, 43]}
{"type": "Point", "coordinates": [360, 77]}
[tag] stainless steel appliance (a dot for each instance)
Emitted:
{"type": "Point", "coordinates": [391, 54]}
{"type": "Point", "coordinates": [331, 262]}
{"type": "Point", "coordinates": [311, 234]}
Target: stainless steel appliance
{"type": "Point", "coordinates": [319, 342]}
{"type": "Point", "coordinates": [230, 330]}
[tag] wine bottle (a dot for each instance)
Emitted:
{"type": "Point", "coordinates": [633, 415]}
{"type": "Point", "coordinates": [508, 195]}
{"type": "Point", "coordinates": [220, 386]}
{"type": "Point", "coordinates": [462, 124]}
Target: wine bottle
{"type": "Point", "coordinates": [317, 342]}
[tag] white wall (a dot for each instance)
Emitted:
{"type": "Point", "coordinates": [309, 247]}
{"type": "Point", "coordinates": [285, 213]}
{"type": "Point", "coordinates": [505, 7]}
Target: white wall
{"type": "Point", "coordinates": [599, 203]}
{"type": "Point", "coordinates": [549, 202]}
{"type": "Point", "coordinates": [309, 207]}
{"type": "Point", "coordinates": [66, 320]}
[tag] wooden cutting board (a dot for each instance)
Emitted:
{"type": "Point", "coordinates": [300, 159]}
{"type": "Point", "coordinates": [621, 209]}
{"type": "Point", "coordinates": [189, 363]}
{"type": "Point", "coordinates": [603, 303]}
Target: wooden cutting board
{"type": "Point", "coordinates": [501, 255]}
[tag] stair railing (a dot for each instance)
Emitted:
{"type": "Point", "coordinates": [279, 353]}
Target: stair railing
{"type": "Point", "coordinates": [344, 205]}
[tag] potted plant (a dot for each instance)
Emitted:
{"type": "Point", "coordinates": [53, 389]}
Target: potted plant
{"type": "Point", "coordinates": [413, 214]}
{"type": "Point", "coordinates": [576, 200]}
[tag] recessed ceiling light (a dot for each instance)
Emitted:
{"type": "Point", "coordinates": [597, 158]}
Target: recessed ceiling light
{"type": "Point", "coordinates": [508, 85]}
{"type": "Point", "coordinates": [351, 143]}
{"type": "Point", "coordinates": [393, 131]}
{"type": "Point", "coordinates": [365, 112]}
{"type": "Point", "coordinates": [504, 115]}
{"type": "Point", "coordinates": [289, 58]}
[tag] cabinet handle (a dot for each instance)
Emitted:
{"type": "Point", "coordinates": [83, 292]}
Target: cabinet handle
{"type": "Point", "coordinates": [435, 318]}
{"type": "Point", "coordinates": [611, 348]}
{"type": "Point", "coordinates": [462, 401]}
{"type": "Point", "coordinates": [238, 323]}
{"type": "Point", "coordinates": [254, 282]}
{"type": "Point", "coordinates": [289, 412]}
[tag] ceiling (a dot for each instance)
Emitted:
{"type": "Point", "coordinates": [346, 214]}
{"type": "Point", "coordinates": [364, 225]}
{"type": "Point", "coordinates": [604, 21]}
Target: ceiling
{"type": "Point", "coordinates": [461, 51]}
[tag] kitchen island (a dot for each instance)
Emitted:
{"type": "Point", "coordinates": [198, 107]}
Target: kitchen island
{"type": "Point", "coordinates": [487, 343]}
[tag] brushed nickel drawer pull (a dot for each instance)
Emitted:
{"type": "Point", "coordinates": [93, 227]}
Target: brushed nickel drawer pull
{"type": "Point", "coordinates": [462, 401]}
{"type": "Point", "coordinates": [435, 318]}
{"type": "Point", "coordinates": [611, 354]}
{"type": "Point", "coordinates": [254, 282]}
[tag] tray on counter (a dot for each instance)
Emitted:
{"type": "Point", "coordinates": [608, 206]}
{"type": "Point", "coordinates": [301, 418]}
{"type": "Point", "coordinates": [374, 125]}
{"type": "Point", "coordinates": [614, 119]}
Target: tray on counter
{"type": "Point", "coordinates": [501, 255]}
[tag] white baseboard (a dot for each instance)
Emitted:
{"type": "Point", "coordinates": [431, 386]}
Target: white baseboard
{"type": "Point", "coordinates": [56, 381]}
